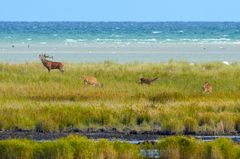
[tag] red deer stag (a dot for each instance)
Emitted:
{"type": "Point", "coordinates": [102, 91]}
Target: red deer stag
{"type": "Point", "coordinates": [50, 65]}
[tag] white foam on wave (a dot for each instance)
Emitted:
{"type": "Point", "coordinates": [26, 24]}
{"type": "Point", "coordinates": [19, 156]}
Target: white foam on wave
{"type": "Point", "coordinates": [209, 40]}
{"type": "Point", "coordinates": [236, 42]}
{"type": "Point", "coordinates": [104, 40]}
{"type": "Point", "coordinates": [29, 39]}
{"type": "Point", "coordinates": [81, 40]}
{"type": "Point", "coordinates": [43, 43]}
{"type": "Point", "coordinates": [215, 39]}
{"type": "Point", "coordinates": [150, 40]}
{"type": "Point", "coordinates": [156, 32]}
{"type": "Point", "coordinates": [190, 40]}
{"type": "Point", "coordinates": [116, 35]}
{"type": "Point", "coordinates": [168, 40]}
{"type": "Point", "coordinates": [181, 31]}
{"type": "Point", "coordinates": [70, 41]}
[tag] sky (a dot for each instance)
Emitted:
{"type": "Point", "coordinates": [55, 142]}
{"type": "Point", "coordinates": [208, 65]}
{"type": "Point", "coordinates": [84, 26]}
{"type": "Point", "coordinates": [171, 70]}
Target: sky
{"type": "Point", "coordinates": [119, 10]}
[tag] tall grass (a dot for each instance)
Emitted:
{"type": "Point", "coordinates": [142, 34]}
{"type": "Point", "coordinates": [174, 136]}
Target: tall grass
{"type": "Point", "coordinates": [72, 147]}
{"type": "Point", "coordinates": [32, 98]}
{"type": "Point", "coordinates": [75, 147]}
{"type": "Point", "coordinates": [189, 148]}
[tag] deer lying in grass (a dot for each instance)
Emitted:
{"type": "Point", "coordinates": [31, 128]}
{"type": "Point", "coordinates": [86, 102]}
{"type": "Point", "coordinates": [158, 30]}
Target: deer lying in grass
{"type": "Point", "coordinates": [147, 81]}
{"type": "Point", "coordinates": [207, 87]}
{"type": "Point", "coordinates": [50, 65]}
{"type": "Point", "coordinates": [90, 80]}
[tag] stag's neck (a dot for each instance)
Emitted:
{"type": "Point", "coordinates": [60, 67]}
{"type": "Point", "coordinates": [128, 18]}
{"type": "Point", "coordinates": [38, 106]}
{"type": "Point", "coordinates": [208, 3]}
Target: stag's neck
{"type": "Point", "coordinates": [44, 62]}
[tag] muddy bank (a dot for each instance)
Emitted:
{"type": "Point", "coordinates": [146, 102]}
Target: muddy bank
{"type": "Point", "coordinates": [89, 133]}
{"type": "Point", "coordinates": [111, 134]}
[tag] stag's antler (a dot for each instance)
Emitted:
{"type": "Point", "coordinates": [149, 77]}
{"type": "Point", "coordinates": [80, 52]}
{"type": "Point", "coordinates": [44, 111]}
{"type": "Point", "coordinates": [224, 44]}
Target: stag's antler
{"type": "Point", "coordinates": [46, 56]}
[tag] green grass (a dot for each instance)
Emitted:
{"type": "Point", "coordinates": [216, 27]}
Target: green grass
{"type": "Point", "coordinates": [32, 98]}
{"type": "Point", "coordinates": [73, 147]}
{"type": "Point", "coordinates": [189, 148]}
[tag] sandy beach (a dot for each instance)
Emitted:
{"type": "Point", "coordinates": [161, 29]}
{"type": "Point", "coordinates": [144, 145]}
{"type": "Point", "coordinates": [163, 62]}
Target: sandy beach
{"type": "Point", "coordinates": [97, 52]}
{"type": "Point", "coordinates": [169, 48]}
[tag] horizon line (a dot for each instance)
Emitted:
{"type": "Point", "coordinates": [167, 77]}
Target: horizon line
{"type": "Point", "coordinates": [130, 21]}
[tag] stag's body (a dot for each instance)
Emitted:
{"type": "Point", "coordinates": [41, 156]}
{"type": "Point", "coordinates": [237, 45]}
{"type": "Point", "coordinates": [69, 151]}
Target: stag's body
{"type": "Point", "coordinates": [147, 81]}
{"type": "Point", "coordinates": [50, 65]}
{"type": "Point", "coordinates": [90, 80]}
{"type": "Point", "coordinates": [207, 87]}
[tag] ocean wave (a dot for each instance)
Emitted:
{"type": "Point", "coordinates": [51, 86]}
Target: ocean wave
{"type": "Point", "coordinates": [205, 40]}
{"type": "Point", "coordinates": [8, 37]}
{"type": "Point", "coordinates": [150, 40]}
{"type": "Point", "coordinates": [216, 39]}
{"type": "Point", "coordinates": [102, 40]}
{"type": "Point", "coordinates": [190, 40]}
{"type": "Point", "coordinates": [116, 35]}
{"type": "Point", "coordinates": [156, 32]}
{"type": "Point", "coordinates": [82, 40]}
{"type": "Point", "coordinates": [70, 41]}
{"type": "Point", "coordinates": [169, 40]}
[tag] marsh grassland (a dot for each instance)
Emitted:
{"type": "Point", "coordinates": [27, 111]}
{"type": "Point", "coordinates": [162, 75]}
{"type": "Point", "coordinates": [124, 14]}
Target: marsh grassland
{"type": "Point", "coordinates": [31, 97]}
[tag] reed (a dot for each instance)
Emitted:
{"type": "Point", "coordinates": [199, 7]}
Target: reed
{"type": "Point", "coordinates": [72, 147]}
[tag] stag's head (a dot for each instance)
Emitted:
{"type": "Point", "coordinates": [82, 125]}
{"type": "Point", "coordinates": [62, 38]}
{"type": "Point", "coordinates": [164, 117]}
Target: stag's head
{"type": "Point", "coordinates": [41, 56]}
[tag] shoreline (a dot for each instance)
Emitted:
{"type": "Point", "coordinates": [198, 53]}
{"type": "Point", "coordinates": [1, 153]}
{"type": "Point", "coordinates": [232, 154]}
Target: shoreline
{"type": "Point", "coordinates": [123, 48]}
{"type": "Point", "coordinates": [124, 54]}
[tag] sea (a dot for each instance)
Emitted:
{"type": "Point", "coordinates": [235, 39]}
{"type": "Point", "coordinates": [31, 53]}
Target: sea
{"type": "Point", "coordinates": [120, 41]}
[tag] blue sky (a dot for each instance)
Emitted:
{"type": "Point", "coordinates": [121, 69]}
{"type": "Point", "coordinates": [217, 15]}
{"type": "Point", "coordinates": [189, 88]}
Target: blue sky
{"type": "Point", "coordinates": [120, 10]}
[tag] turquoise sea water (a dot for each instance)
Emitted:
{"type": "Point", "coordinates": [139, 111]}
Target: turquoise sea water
{"type": "Point", "coordinates": [120, 41]}
{"type": "Point", "coordinates": [78, 32]}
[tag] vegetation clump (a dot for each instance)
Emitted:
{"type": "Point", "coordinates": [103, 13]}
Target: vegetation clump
{"type": "Point", "coordinates": [76, 147]}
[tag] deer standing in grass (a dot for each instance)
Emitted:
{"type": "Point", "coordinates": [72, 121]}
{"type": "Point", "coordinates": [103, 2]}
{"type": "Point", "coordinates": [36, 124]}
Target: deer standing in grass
{"type": "Point", "coordinates": [207, 87]}
{"type": "Point", "coordinates": [147, 81]}
{"type": "Point", "coordinates": [90, 80]}
{"type": "Point", "coordinates": [50, 65]}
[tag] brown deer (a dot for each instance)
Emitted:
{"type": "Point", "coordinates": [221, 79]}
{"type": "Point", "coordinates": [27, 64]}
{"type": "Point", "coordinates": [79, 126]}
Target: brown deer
{"type": "Point", "coordinates": [207, 87]}
{"type": "Point", "coordinates": [90, 80]}
{"type": "Point", "coordinates": [147, 81]}
{"type": "Point", "coordinates": [50, 65]}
